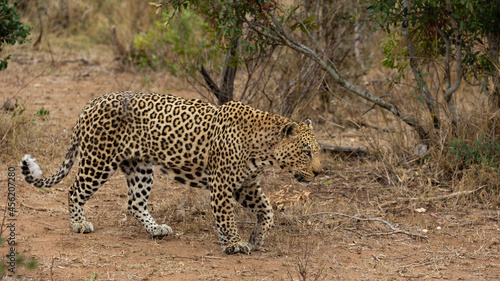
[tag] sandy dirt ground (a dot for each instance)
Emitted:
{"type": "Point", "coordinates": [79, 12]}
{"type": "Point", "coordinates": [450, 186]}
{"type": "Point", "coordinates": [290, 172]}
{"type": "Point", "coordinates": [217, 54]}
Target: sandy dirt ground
{"type": "Point", "coordinates": [463, 242]}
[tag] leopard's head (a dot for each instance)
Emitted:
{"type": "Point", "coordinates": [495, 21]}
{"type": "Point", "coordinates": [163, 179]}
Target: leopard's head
{"type": "Point", "coordinates": [298, 151]}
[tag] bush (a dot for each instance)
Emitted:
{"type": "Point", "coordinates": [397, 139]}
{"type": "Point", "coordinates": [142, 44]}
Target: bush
{"type": "Point", "coordinates": [483, 151]}
{"type": "Point", "coordinates": [187, 41]}
{"type": "Point", "coordinates": [12, 31]}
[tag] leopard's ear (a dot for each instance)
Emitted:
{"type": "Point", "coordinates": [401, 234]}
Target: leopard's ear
{"type": "Point", "coordinates": [289, 131]}
{"type": "Point", "coordinates": [308, 122]}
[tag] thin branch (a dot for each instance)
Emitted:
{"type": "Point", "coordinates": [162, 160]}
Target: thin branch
{"type": "Point", "coordinates": [381, 257]}
{"type": "Point", "coordinates": [373, 106]}
{"type": "Point", "coordinates": [447, 56]}
{"type": "Point", "coordinates": [447, 94]}
{"type": "Point", "coordinates": [394, 229]}
{"type": "Point", "coordinates": [414, 65]}
{"type": "Point", "coordinates": [196, 258]}
{"type": "Point", "coordinates": [278, 34]}
{"type": "Point", "coordinates": [458, 56]}
{"type": "Point", "coordinates": [357, 40]}
{"type": "Point", "coordinates": [438, 198]}
{"type": "Point", "coordinates": [210, 82]}
{"type": "Point", "coordinates": [263, 64]}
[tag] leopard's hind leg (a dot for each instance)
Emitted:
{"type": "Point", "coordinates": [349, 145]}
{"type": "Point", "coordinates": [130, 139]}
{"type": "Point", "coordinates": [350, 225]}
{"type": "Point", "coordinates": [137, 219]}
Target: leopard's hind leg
{"type": "Point", "coordinates": [139, 174]}
{"type": "Point", "coordinates": [88, 180]}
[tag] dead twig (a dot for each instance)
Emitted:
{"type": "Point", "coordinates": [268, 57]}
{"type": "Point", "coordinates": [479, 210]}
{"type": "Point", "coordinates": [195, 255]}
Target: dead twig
{"type": "Point", "coordinates": [354, 230]}
{"type": "Point", "coordinates": [437, 198]}
{"type": "Point", "coordinates": [83, 60]}
{"type": "Point", "coordinates": [196, 258]}
{"type": "Point", "coordinates": [381, 257]}
{"type": "Point", "coordinates": [394, 229]}
{"type": "Point", "coordinates": [51, 269]}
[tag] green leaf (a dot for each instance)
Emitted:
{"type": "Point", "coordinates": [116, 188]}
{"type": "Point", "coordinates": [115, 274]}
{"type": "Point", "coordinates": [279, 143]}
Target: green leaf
{"type": "Point", "coordinates": [387, 62]}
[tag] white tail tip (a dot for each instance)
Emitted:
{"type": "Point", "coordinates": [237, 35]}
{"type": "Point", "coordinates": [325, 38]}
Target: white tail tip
{"type": "Point", "coordinates": [35, 170]}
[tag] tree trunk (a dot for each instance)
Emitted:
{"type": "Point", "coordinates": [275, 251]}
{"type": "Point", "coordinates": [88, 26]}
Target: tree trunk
{"type": "Point", "coordinates": [430, 101]}
{"type": "Point", "coordinates": [494, 52]}
{"type": "Point", "coordinates": [452, 88]}
{"type": "Point", "coordinates": [228, 74]}
{"type": "Point", "coordinates": [224, 92]}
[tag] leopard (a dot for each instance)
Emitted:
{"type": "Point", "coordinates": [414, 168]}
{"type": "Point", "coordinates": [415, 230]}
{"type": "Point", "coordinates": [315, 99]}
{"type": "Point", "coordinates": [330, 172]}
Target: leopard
{"type": "Point", "coordinates": [222, 148]}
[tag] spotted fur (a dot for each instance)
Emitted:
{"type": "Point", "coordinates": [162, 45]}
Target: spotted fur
{"type": "Point", "coordinates": [221, 148]}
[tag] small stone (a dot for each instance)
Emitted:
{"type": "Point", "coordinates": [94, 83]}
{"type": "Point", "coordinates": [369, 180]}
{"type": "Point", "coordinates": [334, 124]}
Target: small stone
{"type": "Point", "coordinates": [420, 210]}
{"type": "Point", "coordinates": [8, 105]}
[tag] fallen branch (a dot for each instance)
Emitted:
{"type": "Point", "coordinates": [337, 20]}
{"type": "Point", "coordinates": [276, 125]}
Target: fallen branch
{"type": "Point", "coordinates": [438, 198]}
{"type": "Point", "coordinates": [83, 60]}
{"type": "Point", "coordinates": [394, 229]}
{"type": "Point", "coordinates": [196, 258]}
{"type": "Point", "coordinates": [349, 151]}
{"type": "Point", "coordinates": [32, 61]}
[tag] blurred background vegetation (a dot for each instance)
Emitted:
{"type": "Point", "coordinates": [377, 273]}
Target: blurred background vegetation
{"type": "Point", "coordinates": [419, 80]}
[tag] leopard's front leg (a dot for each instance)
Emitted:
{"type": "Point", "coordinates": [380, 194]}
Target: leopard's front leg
{"type": "Point", "coordinates": [223, 211]}
{"type": "Point", "coordinates": [250, 195]}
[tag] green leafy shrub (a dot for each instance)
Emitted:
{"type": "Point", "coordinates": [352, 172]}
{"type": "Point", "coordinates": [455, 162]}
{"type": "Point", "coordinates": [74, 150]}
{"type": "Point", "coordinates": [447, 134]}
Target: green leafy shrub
{"type": "Point", "coordinates": [483, 151]}
{"type": "Point", "coordinates": [12, 31]}
{"type": "Point", "coordinates": [187, 42]}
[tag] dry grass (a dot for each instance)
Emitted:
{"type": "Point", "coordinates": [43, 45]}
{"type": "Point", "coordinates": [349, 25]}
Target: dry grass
{"type": "Point", "coordinates": [89, 19]}
{"type": "Point", "coordinates": [17, 133]}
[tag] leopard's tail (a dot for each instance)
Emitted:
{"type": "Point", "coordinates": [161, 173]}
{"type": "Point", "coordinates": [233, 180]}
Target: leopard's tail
{"type": "Point", "coordinates": [32, 172]}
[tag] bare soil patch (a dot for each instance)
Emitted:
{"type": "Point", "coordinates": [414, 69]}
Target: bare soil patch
{"type": "Point", "coordinates": [463, 241]}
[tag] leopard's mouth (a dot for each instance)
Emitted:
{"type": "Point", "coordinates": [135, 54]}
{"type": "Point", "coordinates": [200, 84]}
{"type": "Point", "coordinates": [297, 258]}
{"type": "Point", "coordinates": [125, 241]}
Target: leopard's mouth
{"type": "Point", "coordinates": [301, 178]}
{"type": "Point", "coordinates": [305, 177]}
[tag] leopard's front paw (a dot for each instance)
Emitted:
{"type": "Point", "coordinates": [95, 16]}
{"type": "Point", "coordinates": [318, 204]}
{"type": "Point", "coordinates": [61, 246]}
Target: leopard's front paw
{"type": "Point", "coordinates": [82, 227]}
{"type": "Point", "coordinates": [239, 247]}
{"type": "Point", "coordinates": [161, 231]}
